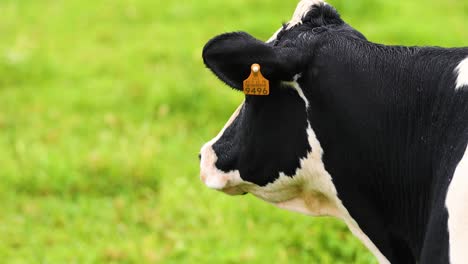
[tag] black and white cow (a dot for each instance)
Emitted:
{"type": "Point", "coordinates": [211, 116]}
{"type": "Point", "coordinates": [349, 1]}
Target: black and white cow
{"type": "Point", "coordinates": [374, 135]}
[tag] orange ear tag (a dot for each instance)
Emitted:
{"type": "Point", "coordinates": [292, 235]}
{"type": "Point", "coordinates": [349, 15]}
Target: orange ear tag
{"type": "Point", "coordinates": [256, 84]}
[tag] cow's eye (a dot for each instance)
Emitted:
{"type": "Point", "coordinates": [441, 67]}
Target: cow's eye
{"type": "Point", "coordinates": [280, 34]}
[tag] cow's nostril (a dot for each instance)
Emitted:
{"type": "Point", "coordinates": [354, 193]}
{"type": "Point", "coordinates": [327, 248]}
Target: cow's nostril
{"type": "Point", "coordinates": [199, 156]}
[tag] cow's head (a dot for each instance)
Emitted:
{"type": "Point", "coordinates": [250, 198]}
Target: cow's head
{"type": "Point", "coordinates": [268, 147]}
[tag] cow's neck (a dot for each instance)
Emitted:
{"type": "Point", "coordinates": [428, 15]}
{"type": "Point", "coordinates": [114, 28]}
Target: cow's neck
{"type": "Point", "coordinates": [384, 130]}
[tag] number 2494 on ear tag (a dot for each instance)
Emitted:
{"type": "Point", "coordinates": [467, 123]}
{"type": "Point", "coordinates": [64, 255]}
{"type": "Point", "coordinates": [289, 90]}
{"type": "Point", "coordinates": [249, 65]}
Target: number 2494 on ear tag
{"type": "Point", "coordinates": [256, 84]}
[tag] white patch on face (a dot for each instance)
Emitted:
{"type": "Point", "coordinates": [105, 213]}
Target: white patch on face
{"type": "Point", "coordinates": [462, 71]}
{"type": "Point", "coordinates": [457, 207]}
{"type": "Point", "coordinates": [302, 9]}
{"type": "Point", "coordinates": [212, 176]}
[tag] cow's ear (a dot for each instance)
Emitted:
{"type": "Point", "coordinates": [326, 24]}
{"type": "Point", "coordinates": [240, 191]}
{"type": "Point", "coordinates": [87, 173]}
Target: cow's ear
{"type": "Point", "coordinates": [231, 55]}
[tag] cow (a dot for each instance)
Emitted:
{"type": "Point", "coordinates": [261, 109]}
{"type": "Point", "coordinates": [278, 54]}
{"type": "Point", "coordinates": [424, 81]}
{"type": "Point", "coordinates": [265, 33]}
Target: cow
{"type": "Point", "coordinates": [374, 135]}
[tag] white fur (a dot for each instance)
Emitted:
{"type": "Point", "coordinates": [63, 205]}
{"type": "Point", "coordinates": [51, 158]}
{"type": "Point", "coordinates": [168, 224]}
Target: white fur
{"type": "Point", "coordinates": [302, 9]}
{"type": "Point", "coordinates": [462, 71]}
{"type": "Point", "coordinates": [457, 207]}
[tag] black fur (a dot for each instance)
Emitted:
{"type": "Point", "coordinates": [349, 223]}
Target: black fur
{"type": "Point", "coordinates": [391, 124]}
{"type": "Point", "coordinates": [393, 129]}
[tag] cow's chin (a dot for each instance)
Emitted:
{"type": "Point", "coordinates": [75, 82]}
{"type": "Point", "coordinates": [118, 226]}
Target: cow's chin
{"type": "Point", "coordinates": [234, 190]}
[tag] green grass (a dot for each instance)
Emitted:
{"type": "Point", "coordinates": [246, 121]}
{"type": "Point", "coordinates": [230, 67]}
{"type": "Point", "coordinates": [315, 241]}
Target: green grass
{"type": "Point", "coordinates": [104, 106]}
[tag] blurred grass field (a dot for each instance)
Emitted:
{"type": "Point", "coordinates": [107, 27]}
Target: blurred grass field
{"type": "Point", "coordinates": [104, 106]}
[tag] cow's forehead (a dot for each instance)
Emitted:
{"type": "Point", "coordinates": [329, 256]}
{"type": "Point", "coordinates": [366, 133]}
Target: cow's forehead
{"type": "Point", "coordinates": [301, 11]}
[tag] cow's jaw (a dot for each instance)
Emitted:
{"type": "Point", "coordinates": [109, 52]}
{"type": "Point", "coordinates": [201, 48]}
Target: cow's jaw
{"type": "Point", "coordinates": [311, 186]}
